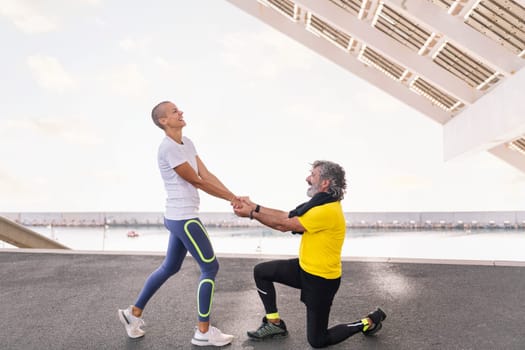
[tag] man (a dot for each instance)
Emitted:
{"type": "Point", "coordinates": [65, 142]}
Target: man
{"type": "Point", "coordinates": [317, 271]}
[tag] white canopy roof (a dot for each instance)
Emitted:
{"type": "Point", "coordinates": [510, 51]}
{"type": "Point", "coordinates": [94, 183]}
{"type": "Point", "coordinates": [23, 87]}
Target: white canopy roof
{"type": "Point", "coordinates": [458, 62]}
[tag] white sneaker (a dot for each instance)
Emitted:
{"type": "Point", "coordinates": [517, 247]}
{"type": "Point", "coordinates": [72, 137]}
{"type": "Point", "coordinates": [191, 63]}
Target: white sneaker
{"type": "Point", "coordinates": [213, 337]}
{"type": "Point", "coordinates": [132, 323]}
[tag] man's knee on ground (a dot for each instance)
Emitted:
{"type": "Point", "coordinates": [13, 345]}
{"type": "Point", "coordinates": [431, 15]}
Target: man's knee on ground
{"type": "Point", "coordinates": [316, 342]}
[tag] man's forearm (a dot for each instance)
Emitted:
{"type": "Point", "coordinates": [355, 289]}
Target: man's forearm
{"type": "Point", "coordinates": [273, 212]}
{"type": "Point", "coordinates": [273, 218]}
{"type": "Point", "coordinates": [267, 218]}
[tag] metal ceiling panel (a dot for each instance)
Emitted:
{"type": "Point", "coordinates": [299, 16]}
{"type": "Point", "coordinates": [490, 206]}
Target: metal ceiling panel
{"type": "Point", "coordinates": [336, 36]}
{"type": "Point", "coordinates": [502, 21]}
{"type": "Point", "coordinates": [462, 65]}
{"type": "Point", "coordinates": [382, 63]}
{"type": "Point", "coordinates": [438, 97]}
{"type": "Point", "coordinates": [518, 145]}
{"type": "Point", "coordinates": [352, 6]}
{"type": "Point", "coordinates": [286, 7]}
{"type": "Point", "coordinates": [400, 28]}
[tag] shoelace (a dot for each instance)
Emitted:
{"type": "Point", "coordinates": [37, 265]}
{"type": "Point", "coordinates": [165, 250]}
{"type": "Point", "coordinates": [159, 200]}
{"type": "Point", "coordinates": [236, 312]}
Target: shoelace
{"type": "Point", "coordinates": [268, 328]}
{"type": "Point", "coordinates": [213, 331]}
{"type": "Point", "coordinates": [140, 320]}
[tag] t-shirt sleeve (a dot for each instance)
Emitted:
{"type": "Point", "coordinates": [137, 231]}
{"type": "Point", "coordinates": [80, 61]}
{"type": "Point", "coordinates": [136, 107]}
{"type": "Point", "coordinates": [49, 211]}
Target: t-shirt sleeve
{"type": "Point", "coordinates": [191, 145]}
{"type": "Point", "coordinates": [174, 156]}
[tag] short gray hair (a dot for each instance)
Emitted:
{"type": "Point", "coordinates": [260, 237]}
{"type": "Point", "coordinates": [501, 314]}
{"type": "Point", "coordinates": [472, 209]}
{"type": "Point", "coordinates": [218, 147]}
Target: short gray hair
{"type": "Point", "coordinates": [158, 112]}
{"type": "Point", "coordinates": [335, 174]}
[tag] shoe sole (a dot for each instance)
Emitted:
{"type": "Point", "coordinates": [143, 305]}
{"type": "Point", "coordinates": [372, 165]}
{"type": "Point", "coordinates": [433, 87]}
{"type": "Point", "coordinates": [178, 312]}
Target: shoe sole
{"type": "Point", "coordinates": [125, 322]}
{"type": "Point", "coordinates": [274, 336]}
{"type": "Point", "coordinates": [205, 343]}
{"type": "Point", "coordinates": [376, 329]}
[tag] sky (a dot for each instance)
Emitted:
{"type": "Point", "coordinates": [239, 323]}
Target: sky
{"type": "Point", "coordinates": [79, 79]}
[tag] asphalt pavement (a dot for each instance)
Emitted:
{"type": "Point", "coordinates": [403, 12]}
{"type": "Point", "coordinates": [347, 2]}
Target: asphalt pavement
{"type": "Point", "coordinates": [59, 300]}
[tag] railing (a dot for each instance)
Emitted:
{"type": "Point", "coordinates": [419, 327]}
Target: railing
{"type": "Point", "coordinates": [22, 237]}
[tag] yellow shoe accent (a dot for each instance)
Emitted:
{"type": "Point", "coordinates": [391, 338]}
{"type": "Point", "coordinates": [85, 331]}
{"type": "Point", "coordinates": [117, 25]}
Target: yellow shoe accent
{"type": "Point", "coordinates": [366, 324]}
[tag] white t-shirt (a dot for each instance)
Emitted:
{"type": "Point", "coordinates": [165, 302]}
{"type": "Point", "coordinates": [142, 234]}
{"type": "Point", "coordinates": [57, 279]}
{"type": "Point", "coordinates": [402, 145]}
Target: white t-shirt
{"type": "Point", "coordinates": [183, 198]}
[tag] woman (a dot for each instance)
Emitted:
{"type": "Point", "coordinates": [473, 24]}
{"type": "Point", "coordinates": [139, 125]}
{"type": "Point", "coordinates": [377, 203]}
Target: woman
{"type": "Point", "coordinates": [183, 173]}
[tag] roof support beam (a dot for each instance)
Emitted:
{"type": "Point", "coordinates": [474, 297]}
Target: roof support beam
{"type": "Point", "coordinates": [496, 118]}
{"type": "Point", "coordinates": [296, 31]}
{"type": "Point", "coordinates": [453, 27]}
{"type": "Point", "coordinates": [520, 2]}
{"type": "Point", "coordinates": [399, 53]}
{"type": "Point", "coordinates": [511, 157]}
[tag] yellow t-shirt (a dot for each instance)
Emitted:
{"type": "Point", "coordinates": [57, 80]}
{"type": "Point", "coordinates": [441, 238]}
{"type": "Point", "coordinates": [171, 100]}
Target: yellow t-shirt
{"type": "Point", "coordinates": [322, 241]}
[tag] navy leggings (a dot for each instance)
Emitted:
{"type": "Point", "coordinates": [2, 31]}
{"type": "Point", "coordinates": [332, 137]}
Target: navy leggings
{"type": "Point", "coordinates": [185, 236]}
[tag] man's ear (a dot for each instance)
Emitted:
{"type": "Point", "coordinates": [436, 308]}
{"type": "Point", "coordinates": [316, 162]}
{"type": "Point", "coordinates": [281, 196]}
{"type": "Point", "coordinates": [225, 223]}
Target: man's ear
{"type": "Point", "coordinates": [325, 184]}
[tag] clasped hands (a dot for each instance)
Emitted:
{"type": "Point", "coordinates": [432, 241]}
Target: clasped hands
{"type": "Point", "coordinates": [242, 206]}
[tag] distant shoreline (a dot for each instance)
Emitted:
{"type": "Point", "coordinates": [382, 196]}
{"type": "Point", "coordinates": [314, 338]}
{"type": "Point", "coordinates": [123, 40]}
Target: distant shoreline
{"type": "Point", "coordinates": [462, 220]}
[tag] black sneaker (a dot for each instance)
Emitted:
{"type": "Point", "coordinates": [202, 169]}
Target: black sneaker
{"type": "Point", "coordinates": [377, 317]}
{"type": "Point", "coordinates": [269, 330]}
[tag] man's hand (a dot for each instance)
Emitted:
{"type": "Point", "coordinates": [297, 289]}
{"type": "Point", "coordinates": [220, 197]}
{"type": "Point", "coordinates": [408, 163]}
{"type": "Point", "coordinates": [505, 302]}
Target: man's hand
{"type": "Point", "coordinates": [243, 209]}
{"type": "Point", "coordinates": [236, 202]}
{"type": "Point", "coordinates": [246, 200]}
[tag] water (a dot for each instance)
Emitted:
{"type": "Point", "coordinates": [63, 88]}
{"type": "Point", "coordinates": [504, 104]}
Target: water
{"type": "Point", "coordinates": [461, 245]}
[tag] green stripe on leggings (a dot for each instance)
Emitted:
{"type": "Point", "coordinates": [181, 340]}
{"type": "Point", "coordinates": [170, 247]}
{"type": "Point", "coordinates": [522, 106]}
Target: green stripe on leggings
{"type": "Point", "coordinates": [193, 241]}
{"type": "Point", "coordinates": [207, 280]}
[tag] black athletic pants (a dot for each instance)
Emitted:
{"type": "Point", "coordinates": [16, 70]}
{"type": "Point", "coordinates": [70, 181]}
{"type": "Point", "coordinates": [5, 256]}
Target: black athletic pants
{"type": "Point", "coordinates": [316, 292]}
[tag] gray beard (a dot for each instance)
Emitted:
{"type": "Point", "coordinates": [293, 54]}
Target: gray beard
{"type": "Point", "coordinates": [312, 191]}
